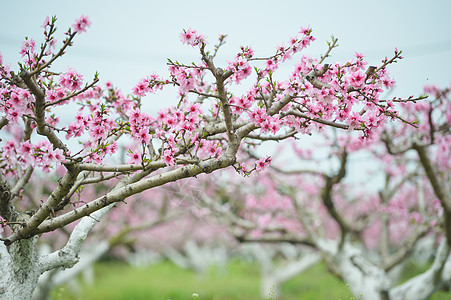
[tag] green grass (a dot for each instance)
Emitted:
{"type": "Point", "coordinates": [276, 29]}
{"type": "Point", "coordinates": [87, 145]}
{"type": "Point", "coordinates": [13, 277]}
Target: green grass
{"type": "Point", "coordinates": [240, 281]}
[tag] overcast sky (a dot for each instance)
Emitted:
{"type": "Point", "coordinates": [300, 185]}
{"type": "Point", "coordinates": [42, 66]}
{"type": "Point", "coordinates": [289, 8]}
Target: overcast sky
{"type": "Point", "coordinates": [130, 39]}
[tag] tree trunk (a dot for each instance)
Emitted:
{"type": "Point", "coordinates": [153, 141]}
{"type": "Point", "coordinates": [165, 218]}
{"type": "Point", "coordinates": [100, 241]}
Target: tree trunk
{"type": "Point", "coordinates": [20, 270]}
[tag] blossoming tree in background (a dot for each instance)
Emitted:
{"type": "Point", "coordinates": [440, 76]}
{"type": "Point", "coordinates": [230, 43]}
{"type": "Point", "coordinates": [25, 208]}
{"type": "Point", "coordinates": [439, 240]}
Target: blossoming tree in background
{"type": "Point", "coordinates": [201, 133]}
{"type": "Point", "coordinates": [362, 233]}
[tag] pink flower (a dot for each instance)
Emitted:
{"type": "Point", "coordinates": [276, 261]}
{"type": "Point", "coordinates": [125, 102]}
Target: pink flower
{"type": "Point", "coordinates": [81, 24]}
{"type": "Point", "coordinates": [46, 22]}
{"type": "Point", "coordinates": [240, 68]}
{"type": "Point", "coordinates": [71, 80]}
{"type": "Point", "coordinates": [28, 46]}
{"type": "Point", "coordinates": [168, 157]}
{"type": "Point", "coordinates": [188, 36]}
{"type": "Point", "coordinates": [134, 157]}
{"type": "Point", "coordinates": [143, 136]}
{"type": "Point", "coordinates": [271, 64]}
{"type": "Point", "coordinates": [262, 163]}
{"type": "Point", "coordinates": [357, 79]}
{"type": "Point", "coordinates": [191, 37]}
{"type": "Point", "coordinates": [148, 85]}
{"type": "Point", "coordinates": [111, 148]}
{"type": "Point", "coordinates": [13, 116]}
{"type": "Point", "coordinates": [213, 150]}
{"type": "Point", "coordinates": [26, 147]}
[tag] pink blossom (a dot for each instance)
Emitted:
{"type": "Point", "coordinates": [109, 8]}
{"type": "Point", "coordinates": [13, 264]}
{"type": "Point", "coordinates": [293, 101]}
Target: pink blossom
{"type": "Point", "coordinates": [28, 46]}
{"type": "Point", "coordinates": [191, 37]}
{"type": "Point", "coordinates": [111, 148]}
{"type": "Point", "coordinates": [143, 136]}
{"type": "Point", "coordinates": [71, 80]}
{"type": "Point", "coordinates": [271, 64]}
{"type": "Point", "coordinates": [81, 24]}
{"type": "Point", "coordinates": [357, 79]}
{"type": "Point", "coordinates": [25, 147]}
{"type": "Point", "coordinates": [150, 84]}
{"type": "Point", "coordinates": [134, 157]}
{"type": "Point", "coordinates": [168, 157]}
{"type": "Point", "coordinates": [262, 163]}
{"type": "Point", "coordinates": [240, 68]}
{"type": "Point", "coordinates": [46, 22]}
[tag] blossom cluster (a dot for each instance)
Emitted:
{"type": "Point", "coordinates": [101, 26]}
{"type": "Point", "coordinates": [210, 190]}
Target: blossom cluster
{"type": "Point", "coordinates": [71, 80]}
{"type": "Point", "coordinates": [81, 24]}
{"type": "Point", "coordinates": [40, 154]}
{"type": "Point", "coordinates": [303, 102]}
{"type": "Point", "coordinates": [191, 37]}
{"type": "Point", "coordinates": [150, 84]}
{"type": "Point", "coordinates": [15, 102]}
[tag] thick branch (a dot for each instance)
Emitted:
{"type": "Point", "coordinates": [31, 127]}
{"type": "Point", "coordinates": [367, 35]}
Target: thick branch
{"type": "Point", "coordinates": [425, 284]}
{"type": "Point", "coordinates": [278, 137]}
{"type": "Point", "coordinates": [326, 195]}
{"type": "Point", "coordinates": [277, 240]}
{"type": "Point", "coordinates": [7, 211]}
{"type": "Point", "coordinates": [128, 190]}
{"type": "Point", "coordinates": [439, 190]}
{"type": "Point", "coordinates": [46, 209]}
{"type": "Point", "coordinates": [3, 123]}
{"type": "Point", "coordinates": [396, 258]}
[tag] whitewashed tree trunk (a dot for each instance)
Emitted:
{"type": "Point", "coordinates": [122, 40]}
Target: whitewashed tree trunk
{"type": "Point", "coordinates": [21, 266]}
{"type": "Point", "coordinates": [425, 284]}
{"type": "Point", "coordinates": [55, 277]}
{"type": "Point", "coordinates": [273, 276]}
{"type": "Point", "coordinates": [367, 281]}
{"type": "Point", "coordinates": [20, 270]}
{"type": "Point", "coordinates": [196, 257]}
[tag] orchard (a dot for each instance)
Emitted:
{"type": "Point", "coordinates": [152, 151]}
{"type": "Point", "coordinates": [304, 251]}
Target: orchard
{"type": "Point", "coordinates": [83, 134]}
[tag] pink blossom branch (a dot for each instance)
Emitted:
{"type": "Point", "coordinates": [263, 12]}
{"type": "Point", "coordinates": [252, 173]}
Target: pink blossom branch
{"type": "Point", "coordinates": [220, 77]}
{"type": "Point", "coordinates": [333, 44]}
{"type": "Point", "coordinates": [87, 87]}
{"type": "Point", "coordinates": [67, 43]}
{"type": "Point", "coordinates": [410, 99]}
{"type": "Point", "coordinates": [121, 168]}
{"type": "Point", "coordinates": [386, 61]}
{"type": "Point", "coordinates": [321, 121]}
{"type": "Point", "coordinates": [40, 111]}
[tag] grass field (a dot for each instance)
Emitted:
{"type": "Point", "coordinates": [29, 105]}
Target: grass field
{"type": "Point", "coordinates": [239, 281]}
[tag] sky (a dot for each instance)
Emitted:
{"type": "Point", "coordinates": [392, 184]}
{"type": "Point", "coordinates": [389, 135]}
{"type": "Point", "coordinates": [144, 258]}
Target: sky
{"type": "Point", "coordinates": [131, 39]}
